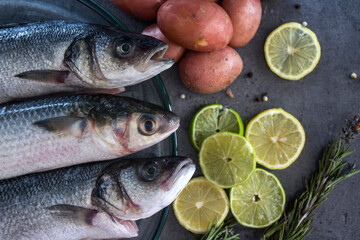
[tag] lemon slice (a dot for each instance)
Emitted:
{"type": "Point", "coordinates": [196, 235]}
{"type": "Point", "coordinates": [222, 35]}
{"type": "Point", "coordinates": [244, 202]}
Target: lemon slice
{"type": "Point", "coordinates": [227, 159]}
{"type": "Point", "coordinates": [277, 137]}
{"type": "Point", "coordinates": [211, 119]}
{"type": "Point", "coordinates": [259, 202]}
{"type": "Point", "coordinates": [292, 51]}
{"type": "Point", "coordinates": [200, 204]}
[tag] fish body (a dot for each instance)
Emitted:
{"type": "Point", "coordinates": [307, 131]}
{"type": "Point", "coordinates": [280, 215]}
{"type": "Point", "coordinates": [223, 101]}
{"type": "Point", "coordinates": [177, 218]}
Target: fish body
{"type": "Point", "coordinates": [90, 201]}
{"type": "Point", "coordinates": [55, 132]}
{"type": "Point", "coordinates": [57, 56]}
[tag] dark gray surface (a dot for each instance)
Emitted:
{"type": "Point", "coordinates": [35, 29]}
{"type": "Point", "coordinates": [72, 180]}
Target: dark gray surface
{"type": "Point", "coordinates": [321, 102]}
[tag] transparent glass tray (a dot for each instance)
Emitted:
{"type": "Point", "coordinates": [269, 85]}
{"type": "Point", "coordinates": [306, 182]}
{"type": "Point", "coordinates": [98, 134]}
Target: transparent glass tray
{"type": "Point", "coordinates": [153, 90]}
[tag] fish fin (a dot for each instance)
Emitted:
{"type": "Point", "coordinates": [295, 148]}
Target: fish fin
{"type": "Point", "coordinates": [65, 125]}
{"type": "Point", "coordinates": [11, 25]}
{"type": "Point", "coordinates": [45, 76]}
{"type": "Point", "coordinates": [112, 91]}
{"type": "Point", "coordinates": [84, 215]}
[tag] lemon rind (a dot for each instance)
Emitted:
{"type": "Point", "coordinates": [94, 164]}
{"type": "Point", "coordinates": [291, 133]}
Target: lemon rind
{"type": "Point", "coordinates": [219, 221]}
{"type": "Point", "coordinates": [271, 222]}
{"type": "Point", "coordinates": [218, 184]}
{"type": "Point", "coordinates": [277, 71]}
{"type": "Point", "coordinates": [197, 114]}
{"type": "Point", "coordinates": [297, 123]}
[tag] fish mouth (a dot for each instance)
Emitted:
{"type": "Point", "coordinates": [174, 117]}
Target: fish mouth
{"type": "Point", "coordinates": [185, 166]}
{"type": "Point", "coordinates": [157, 55]}
{"type": "Point", "coordinates": [174, 124]}
{"type": "Point", "coordinates": [130, 226]}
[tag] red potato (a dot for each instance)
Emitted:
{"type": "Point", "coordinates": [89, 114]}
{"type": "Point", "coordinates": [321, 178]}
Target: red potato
{"type": "Point", "coordinates": [210, 72]}
{"type": "Point", "coordinates": [199, 25]}
{"type": "Point", "coordinates": [245, 16]}
{"type": "Point", "coordinates": [174, 51]}
{"type": "Point", "coordinates": [140, 9]}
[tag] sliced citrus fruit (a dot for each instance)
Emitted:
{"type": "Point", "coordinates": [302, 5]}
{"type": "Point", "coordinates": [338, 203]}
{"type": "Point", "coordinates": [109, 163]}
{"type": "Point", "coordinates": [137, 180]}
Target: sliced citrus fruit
{"type": "Point", "coordinates": [200, 204]}
{"type": "Point", "coordinates": [277, 137]}
{"type": "Point", "coordinates": [259, 202]}
{"type": "Point", "coordinates": [211, 119]}
{"type": "Point", "coordinates": [292, 51]}
{"type": "Point", "coordinates": [227, 159]}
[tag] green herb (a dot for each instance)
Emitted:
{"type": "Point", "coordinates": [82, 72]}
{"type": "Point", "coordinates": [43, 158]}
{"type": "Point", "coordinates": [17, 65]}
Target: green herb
{"type": "Point", "coordinates": [296, 224]}
{"type": "Point", "coordinates": [222, 232]}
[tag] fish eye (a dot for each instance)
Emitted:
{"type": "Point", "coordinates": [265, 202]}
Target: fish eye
{"type": "Point", "coordinates": [149, 171]}
{"type": "Point", "coordinates": [124, 49]}
{"type": "Point", "coordinates": [147, 125]}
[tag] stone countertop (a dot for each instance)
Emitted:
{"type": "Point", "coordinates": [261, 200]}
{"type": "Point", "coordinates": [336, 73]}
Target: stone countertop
{"type": "Point", "coordinates": [321, 102]}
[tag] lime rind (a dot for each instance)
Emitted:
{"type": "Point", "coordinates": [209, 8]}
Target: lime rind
{"type": "Point", "coordinates": [238, 170]}
{"type": "Point", "coordinates": [249, 202]}
{"type": "Point", "coordinates": [296, 122]}
{"type": "Point", "coordinates": [179, 212]}
{"type": "Point", "coordinates": [210, 125]}
{"type": "Point", "coordinates": [271, 45]}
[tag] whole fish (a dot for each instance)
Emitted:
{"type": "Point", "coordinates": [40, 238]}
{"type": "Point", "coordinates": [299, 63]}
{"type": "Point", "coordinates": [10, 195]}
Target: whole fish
{"type": "Point", "coordinates": [90, 201]}
{"type": "Point", "coordinates": [46, 57]}
{"type": "Point", "coordinates": [56, 132]}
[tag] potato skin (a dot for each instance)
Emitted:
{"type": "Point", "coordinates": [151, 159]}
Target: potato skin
{"type": "Point", "coordinates": [210, 72]}
{"type": "Point", "coordinates": [140, 9]}
{"type": "Point", "coordinates": [199, 25]}
{"type": "Point", "coordinates": [174, 51]}
{"type": "Point", "coordinates": [245, 16]}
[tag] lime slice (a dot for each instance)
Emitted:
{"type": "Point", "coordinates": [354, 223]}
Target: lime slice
{"type": "Point", "coordinates": [259, 202]}
{"type": "Point", "coordinates": [227, 159]}
{"type": "Point", "coordinates": [292, 51]}
{"type": "Point", "coordinates": [277, 137]}
{"type": "Point", "coordinates": [200, 204]}
{"type": "Point", "coordinates": [211, 119]}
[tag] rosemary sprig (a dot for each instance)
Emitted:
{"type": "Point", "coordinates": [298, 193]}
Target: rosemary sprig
{"type": "Point", "coordinates": [296, 224]}
{"type": "Point", "coordinates": [222, 232]}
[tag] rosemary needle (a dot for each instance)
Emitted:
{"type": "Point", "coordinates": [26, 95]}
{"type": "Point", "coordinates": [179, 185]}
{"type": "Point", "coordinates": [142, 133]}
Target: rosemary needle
{"type": "Point", "coordinates": [296, 224]}
{"type": "Point", "coordinates": [222, 232]}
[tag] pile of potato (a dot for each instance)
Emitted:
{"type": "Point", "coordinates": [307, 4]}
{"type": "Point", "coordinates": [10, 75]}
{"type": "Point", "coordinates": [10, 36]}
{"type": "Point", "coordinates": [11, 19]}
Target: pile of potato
{"type": "Point", "coordinates": [207, 30]}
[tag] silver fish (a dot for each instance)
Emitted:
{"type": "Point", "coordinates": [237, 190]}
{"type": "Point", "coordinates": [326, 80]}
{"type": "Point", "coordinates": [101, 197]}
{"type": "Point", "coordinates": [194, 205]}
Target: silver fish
{"type": "Point", "coordinates": [90, 201]}
{"type": "Point", "coordinates": [55, 56]}
{"type": "Point", "coordinates": [57, 132]}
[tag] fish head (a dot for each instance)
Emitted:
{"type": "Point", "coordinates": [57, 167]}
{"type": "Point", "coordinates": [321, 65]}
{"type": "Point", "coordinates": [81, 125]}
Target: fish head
{"type": "Point", "coordinates": [112, 58]}
{"type": "Point", "coordinates": [138, 188]}
{"type": "Point", "coordinates": [123, 125]}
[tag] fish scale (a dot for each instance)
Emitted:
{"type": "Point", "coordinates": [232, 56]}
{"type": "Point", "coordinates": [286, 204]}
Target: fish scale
{"type": "Point", "coordinates": [38, 56]}
{"type": "Point", "coordinates": [27, 198]}
{"type": "Point", "coordinates": [58, 56]}
{"type": "Point", "coordinates": [62, 203]}
{"type": "Point", "coordinates": [27, 147]}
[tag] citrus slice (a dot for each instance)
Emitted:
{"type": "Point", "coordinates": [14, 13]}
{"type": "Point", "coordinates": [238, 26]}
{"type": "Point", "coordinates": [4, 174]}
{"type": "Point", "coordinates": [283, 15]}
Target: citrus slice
{"type": "Point", "coordinates": [211, 119]}
{"type": "Point", "coordinates": [277, 137]}
{"type": "Point", "coordinates": [227, 159]}
{"type": "Point", "coordinates": [292, 51]}
{"type": "Point", "coordinates": [200, 204]}
{"type": "Point", "coordinates": [259, 202]}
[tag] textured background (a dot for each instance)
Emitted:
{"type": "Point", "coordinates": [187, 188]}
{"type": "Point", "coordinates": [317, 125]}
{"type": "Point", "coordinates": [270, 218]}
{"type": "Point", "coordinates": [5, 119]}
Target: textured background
{"type": "Point", "coordinates": [321, 101]}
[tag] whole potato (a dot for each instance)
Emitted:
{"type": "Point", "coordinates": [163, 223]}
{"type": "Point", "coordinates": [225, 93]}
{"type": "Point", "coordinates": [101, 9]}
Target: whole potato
{"type": "Point", "coordinates": [174, 51]}
{"type": "Point", "coordinates": [199, 25]}
{"type": "Point", "coordinates": [245, 16]}
{"type": "Point", "coordinates": [140, 9]}
{"type": "Point", "coordinates": [210, 72]}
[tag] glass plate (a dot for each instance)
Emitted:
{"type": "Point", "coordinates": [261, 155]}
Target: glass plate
{"type": "Point", "coordinates": [151, 91]}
